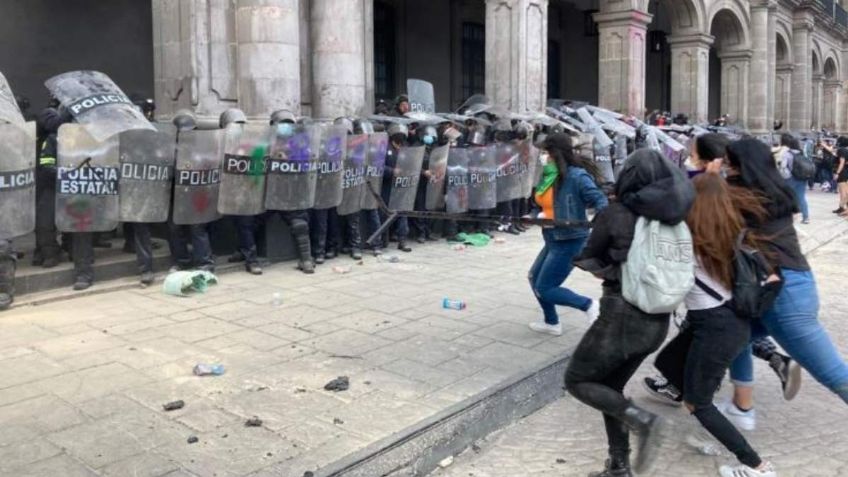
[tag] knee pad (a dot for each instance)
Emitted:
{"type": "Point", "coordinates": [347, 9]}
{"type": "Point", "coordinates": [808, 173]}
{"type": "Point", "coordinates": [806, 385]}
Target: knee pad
{"type": "Point", "coordinates": [299, 226]}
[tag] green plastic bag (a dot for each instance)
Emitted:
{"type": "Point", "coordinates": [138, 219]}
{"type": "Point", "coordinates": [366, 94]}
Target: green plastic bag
{"type": "Point", "coordinates": [184, 283]}
{"type": "Point", "coordinates": [476, 240]}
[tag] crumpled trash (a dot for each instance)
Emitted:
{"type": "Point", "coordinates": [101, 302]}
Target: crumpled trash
{"type": "Point", "coordinates": [476, 240]}
{"type": "Point", "coordinates": [342, 383]}
{"type": "Point", "coordinates": [341, 270]}
{"type": "Point", "coordinates": [183, 283]}
{"type": "Point", "coordinates": [173, 405]}
{"type": "Point", "coordinates": [253, 422]}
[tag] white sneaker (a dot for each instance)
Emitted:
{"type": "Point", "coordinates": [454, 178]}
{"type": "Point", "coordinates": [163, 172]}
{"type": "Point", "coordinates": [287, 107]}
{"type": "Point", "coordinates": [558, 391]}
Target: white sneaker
{"type": "Point", "coordinates": [593, 312]}
{"type": "Point", "coordinates": [745, 420]}
{"type": "Point", "coordinates": [741, 470]}
{"type": "Point", "coordinates": [542, 327]}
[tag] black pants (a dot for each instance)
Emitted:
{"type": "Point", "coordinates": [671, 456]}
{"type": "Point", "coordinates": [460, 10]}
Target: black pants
{"type": "Point", "coordinates": [8, 265]}
{"type": "Point", "coordinates": [82, 249]}
{"type": "Point", "coordinates": [46, 245]}
{"type": "Point", "coordinates": [370, 220]}
{"type": "Point", "coordinates": [246, 230]}
{"type": "Point", "coordinates": [608, 356]}
{"type": "Point", "coordinates": [711, 341]}
{"type": "Point", "coordinates": [298, 224]}
{"type": "Point", "coordinates": [323, 230]}
{"type": "Point", "coordinates": [351, 234]}
{"type": "Point", "coordinates": [179, 237]}
{"type": "Point", "coordinates": [143, 247]}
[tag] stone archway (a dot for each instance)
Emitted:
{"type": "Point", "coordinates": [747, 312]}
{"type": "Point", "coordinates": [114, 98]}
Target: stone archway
{"type": "Point", "coordinates": [783, 78]}
{"type": "Point", "coordinates": [831, 90]}
{"type": "Point", "coordinates": [728, 92]}
{"type": "Point", "coordinates": [817, 86]}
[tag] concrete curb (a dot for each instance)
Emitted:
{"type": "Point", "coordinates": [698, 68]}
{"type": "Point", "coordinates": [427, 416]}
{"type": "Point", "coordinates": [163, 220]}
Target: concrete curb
{"type": "Point", "coordinates": [418, 449]}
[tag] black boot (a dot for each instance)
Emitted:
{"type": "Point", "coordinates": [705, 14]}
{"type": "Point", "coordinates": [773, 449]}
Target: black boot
{"type": "Point", "coordinates": [649, 429]}
{"type": "Point", "coordinates": [8, 265]}
{"type": "Point", "coordinates": [618, 465]}
{"type": "Point", "coordinates": [304, 247]}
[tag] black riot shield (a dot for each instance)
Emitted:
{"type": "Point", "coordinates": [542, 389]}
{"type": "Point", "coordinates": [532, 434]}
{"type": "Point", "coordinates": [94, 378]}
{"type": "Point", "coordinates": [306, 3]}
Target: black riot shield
{"type": "Point", "coordinates": [243, 171]}
{"type": "Point", "coordinates": [353, 184]}
{"type": "Point", "coordinates": [197, 178]}
{"type": "Point", "coordinates": [147, 171]}
{"type": "Point", "coordinates": [508, 159]}
{"type": "Point", "coordinates": [292, 174]}
{"type": "Point", "coordinates": [86, 181]}
{"type": "Point", "coordinates": [482, 178]}
{"type": "Point", "coordinates": [438, 175]}
{"type": "Point", "coordinates": [328, 188]}
{"type": "Point", "coordinates": [378, 146]}
{"type": "Point", "coordinates": [456, 189]}
{"type": "Point", "coordinates": [17, 179]}
{"type": "Point", "coordinates": [96, 102]}
{"type": "Point", "coordinates": [407, 175]}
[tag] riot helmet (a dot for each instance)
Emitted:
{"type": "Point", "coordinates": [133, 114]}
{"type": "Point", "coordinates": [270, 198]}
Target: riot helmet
{"type": "Point", "coordinates": [346, 123]}
{"type": "Point", "coordinates": [231, 116]}
{"type": "Point", "coordinates": [184, 120]}
{"type": "Point", "coordinates": [362, 126]}
{"type": "Point", "coordinates": [503, 130]}
{"type": "Point", "coordinates": [402, 104]}
{"type": "Point", "coordinates": [282, 116]}
{"type": "Point", "coordinates": [398, 132]}
{"type": "Point", "coordinates": [523, 130]}
{"type": "Point", "coordinates": [148, 107]}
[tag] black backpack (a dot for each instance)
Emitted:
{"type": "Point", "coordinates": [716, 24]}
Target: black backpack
{"type": "Point", "coordinates": [803, 169]}
{"type": "Point", "coordinates": [753, 295]}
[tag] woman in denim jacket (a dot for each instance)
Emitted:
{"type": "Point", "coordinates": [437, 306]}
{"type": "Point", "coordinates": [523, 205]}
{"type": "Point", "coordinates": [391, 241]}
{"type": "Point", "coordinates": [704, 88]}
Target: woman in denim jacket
{"type": "Point", "coordinates": [567, 188]}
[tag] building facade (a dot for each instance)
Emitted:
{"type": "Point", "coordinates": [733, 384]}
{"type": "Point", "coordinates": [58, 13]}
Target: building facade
{"type": "Point", "coordinates": [755, 60]}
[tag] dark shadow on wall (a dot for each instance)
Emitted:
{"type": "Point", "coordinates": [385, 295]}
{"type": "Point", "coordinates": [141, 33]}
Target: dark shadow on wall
{"type": "Point", "coordinates": [42, 38]}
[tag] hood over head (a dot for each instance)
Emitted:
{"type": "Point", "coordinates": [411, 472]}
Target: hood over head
{"type": "Point", "coordinates": [651, 186]}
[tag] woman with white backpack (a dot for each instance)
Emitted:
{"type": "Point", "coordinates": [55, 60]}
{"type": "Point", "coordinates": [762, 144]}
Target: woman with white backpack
{"type": "Point", "coordinates": [651, 194]}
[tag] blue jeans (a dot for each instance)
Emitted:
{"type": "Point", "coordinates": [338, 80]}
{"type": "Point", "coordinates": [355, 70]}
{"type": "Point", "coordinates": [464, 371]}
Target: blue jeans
{"type": "Point", "coordinates": [793, 323]}
{"type": "Point", "coordinates": [551, 268]}
{"type": "Point", "coordinates": [800, 188]}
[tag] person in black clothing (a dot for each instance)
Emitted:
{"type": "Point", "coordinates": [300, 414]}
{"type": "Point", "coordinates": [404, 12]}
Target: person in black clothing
{"type": "Point", "coordinates": [397, 140]}
{"type": "Point", "coordinates": [623, 336]}
{"type": "Point", "coordinates": [47, 250]}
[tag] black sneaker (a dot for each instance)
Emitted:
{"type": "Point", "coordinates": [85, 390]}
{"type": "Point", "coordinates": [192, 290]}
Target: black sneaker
{"type": "Point", "coordinates": [660, 390]}
{"type": "Point", "coordinates": [789, 372]}
{"type": "Point", "coordinates": [839, 210]}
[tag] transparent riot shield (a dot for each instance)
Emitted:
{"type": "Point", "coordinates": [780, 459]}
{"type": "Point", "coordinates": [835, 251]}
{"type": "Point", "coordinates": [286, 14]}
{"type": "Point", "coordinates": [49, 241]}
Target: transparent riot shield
{"type": "Point", "coordinates": [197, 179]}
{"type": "Point", "coordinates": [456, 188]}
{"type": "Point", "coordinates": [438, 166]}
{"type": "Point", "coordinates": [86, 181]}
{"type": "Point", "coordinates": [353, 183]}
{"type": "Point", "coordinates": [378, 145]}
{"type": "Point", "coordinates": [291, 180]}
{"type": "Point", "coordinates": [508, 160]}
{"type": "Point", "coordinates": [9, 111]}
{"type": "Point", "coordinates": [405, 179]}
{"type": "Point", "coordinates": [421, 97]}
{"type": "Point", "coordinates": [17, 179]}
{"type": "Point", "coordinates": [330, 167]}
{"type": "Point", "coordinates": [97, 103]}
{"type": "Point", "coordinates": [243, 171]}
{"type": "Point", "coordinates": [147, 171]}
{"type": "Point", "coordinates": [482, 178]}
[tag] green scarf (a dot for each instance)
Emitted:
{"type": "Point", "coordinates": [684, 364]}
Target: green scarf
{"type": "Point", "coordinates": [549, 176]}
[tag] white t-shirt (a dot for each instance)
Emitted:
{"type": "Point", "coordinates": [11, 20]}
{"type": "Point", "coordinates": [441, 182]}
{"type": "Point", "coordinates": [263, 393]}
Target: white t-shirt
{"type": "Point", "coordinates": [698, 299]}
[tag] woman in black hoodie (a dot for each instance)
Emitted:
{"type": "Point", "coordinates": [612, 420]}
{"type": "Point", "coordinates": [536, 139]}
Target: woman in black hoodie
{"type": "Point", "coordinates": [613, 348]}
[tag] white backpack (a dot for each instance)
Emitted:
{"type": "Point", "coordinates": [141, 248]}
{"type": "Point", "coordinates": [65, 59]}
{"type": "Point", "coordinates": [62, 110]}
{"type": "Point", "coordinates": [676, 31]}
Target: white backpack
{"type": "Point", "coordinates": [660, 266]}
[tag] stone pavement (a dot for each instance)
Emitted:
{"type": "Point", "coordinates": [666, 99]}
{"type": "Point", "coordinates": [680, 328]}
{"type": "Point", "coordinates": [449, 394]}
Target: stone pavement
{"type": "Point", "coordinates": [805, 437]}
{"type": "Point", "coordinates": [83, 381]}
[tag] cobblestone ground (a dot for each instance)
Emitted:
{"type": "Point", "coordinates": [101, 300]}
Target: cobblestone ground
{"type": "Point", "coordinates": [803, 438]}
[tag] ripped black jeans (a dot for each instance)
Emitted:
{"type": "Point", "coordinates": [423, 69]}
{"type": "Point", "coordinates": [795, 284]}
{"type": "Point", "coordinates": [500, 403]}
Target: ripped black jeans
{"type": "Point", "coordinates": [608, 356]}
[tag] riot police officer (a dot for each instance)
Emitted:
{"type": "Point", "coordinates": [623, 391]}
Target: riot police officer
{"type": "Point", "coordinates": [398, 137]}
{"type": "Point", "coordinates": [47, 250]}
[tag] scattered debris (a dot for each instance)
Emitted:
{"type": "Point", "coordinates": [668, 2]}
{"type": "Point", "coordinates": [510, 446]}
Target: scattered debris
{"type": "Point", "coordinates": [449, 304]}
{"type": "Point", "coordinates": [460, 247]}
{"type": "Point", "coordinates": [258, 389]}
{"type": "Point", "coordinates": [341, 270]}
{"type": "Point", "coordinates": [392, 259]}
{"type": "Point", "coordinates": [337, 421]}
{"type": "Point", "coordinates": [277, 299]}
{"type": "Point", "coordinates": [269, 454]}
{"type": "Point", "coordinates": [299, 390]}
{"type": "Point", "coordinates": [202, 369]}
{"type": "Point", "coordinates": [308, 473]}
{"type": "Point", "coordinates": [342, 383]}
{"type": "Point", "coordinates": [133, 348]}
{"type": "Point", "coordinates": [183, 283]}
{"type": "Point", "coordinates": [446, 462]}
{"type": "Point", "coordinates": [561, 461]}
{"type": "Point", "coordinates": [367, 383]}
{"type": "Point", "coordinates": [500, 240]}
{"type": "Point", "coordinates": [344, 356]}
{"type": "Point", "coordinates": [174, 405]}
{"type": "Point", "coordinates": [225, 436]}
{"type": "Point", "coordinates": [477, 449]}
{"type": "Point", "coordinates": [105, 332]}
{"type": "Point", "coordinates": [253, 422]}
{"type": "Point", "coordinates": [192, 439]}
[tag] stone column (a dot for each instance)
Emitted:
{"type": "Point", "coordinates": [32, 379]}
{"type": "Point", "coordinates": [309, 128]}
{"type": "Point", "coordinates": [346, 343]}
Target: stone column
{"type": "Point", "coordinates": [517, 54]}
{"type": "Point", "coordinates": [800, 112]}
{"type": "Point", "coordinates": [816, 94]}
{"type": "Point", "coordinates": [735, 71]}
{"type": "Point", "coordinates": [268, 37]}
{"type": "Point", "coordinates": [621, 56]}
{"type": "Point", "coordinates": [690, 76]}
{"type": "Point", "coordinates": [760, 92]}
{"type": "Point", "coordinates": [782, 94]}
{"type": "Point", "coordinates": [194, 57]}
{"type": "Point", "coordinates": [832, 99]}
{"type": "Point", "coordinates": [339, 47]}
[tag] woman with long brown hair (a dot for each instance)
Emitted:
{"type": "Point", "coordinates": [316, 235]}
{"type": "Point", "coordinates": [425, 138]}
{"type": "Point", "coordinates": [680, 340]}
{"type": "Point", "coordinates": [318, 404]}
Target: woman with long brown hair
{"type": "Point", "coordinates": [715, 334]}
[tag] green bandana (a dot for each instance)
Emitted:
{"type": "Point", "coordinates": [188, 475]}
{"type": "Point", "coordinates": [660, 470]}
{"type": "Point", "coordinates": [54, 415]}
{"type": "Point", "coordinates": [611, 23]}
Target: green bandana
{"type": "Point", "coordinates": [549, 176]}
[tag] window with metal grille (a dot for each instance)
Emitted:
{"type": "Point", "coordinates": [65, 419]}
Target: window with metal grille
{"type": "Point", "coordinates": [384, 50]}
{"type": "Point", "coordinates": [473, 59]}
